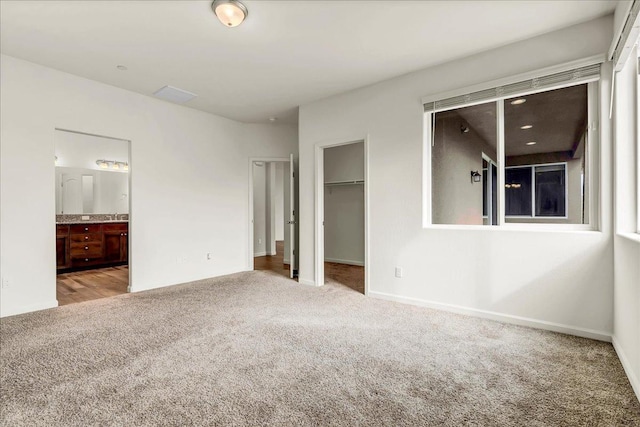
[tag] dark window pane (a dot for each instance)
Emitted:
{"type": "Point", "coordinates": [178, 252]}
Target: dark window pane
{"type": "Point", "coordinates": [494, 195]}
{"type": "Point", "coordinates": [550, 191]}
{"type": "Point", "coordinates": [485, 189]}
{"type": "Point", "coordinates": [518, 191]}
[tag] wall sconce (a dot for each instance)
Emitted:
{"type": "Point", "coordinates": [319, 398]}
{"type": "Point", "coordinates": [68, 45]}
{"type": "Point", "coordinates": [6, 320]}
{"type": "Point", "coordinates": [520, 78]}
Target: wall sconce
{"type": "Point", "coordinates": [476, 176]}
{"type": "Point", "coordinates": [106, 164]}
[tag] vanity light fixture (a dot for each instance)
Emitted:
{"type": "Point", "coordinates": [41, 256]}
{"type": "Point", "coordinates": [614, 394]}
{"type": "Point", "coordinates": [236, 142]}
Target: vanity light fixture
{"type": "Point", "coordinates": [475, 176]}
{"type": "Point", "coordinates": [106, 164]}
{"type": "Point", "coordinates": [230, 12]}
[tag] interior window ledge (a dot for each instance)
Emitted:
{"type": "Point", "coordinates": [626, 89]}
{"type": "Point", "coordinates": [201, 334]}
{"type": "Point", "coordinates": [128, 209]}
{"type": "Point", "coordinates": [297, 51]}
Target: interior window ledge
{"type": "Point", "coordinates": [545, 228]}
{"type": "Point", "coordinates": [634, 237]}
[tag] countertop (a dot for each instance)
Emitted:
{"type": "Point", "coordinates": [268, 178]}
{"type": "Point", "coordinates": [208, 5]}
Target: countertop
{"type": "Point", "coordinates": [92, 222]}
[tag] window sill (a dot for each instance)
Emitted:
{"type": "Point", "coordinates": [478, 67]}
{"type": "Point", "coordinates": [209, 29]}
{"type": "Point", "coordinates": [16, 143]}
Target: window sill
{"type": "Point", "coordinates": [634, 237]}
{"type": "Point", "coordinates": [546, 228]}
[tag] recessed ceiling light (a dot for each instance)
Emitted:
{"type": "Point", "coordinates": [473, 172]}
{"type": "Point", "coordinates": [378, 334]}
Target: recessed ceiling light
{"type": "Point", "coordinates": [518, 101]}
{"type": "Point", "coordinates": [525, 127]}
{"type": "Point", "coordinates": [531, 143]}
{"type": "Point", "coordinates": [121, 67]}
{"type": "Point", "coordinates": [230, 12]}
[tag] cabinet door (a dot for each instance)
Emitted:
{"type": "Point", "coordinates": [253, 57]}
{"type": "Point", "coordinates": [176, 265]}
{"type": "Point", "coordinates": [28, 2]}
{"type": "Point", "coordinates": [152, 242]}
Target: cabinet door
{"type": "Point", "coordinates": [124, 247]}
{"type": "Point", "coordinates": [62, 252]}
{"type": "Point", "coordinates": [112, 246]}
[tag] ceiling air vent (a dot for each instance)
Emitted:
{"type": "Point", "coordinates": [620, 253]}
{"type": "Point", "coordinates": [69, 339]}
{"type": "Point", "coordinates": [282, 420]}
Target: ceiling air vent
{"type": "Point", "coordinates": [172, 94]}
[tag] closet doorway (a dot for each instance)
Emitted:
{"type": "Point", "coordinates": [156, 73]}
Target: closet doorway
{"type": "Point", "coordinates": [342, 210]}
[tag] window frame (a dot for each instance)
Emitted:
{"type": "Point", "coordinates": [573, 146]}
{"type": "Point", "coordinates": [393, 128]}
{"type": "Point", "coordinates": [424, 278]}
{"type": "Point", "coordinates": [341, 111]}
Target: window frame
{"type": "Point", "coordinates": [533, 192]}
{"type": "Point", "coordinates": [593, 152]}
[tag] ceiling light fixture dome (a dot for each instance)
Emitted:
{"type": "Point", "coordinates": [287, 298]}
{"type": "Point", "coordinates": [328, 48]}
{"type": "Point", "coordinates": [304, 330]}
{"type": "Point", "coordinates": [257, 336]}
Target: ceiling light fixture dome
{"type": "Point", "coordinates": [230, 12]}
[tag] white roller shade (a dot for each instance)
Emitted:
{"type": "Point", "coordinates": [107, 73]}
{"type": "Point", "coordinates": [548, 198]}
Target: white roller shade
{"type": "Point", "coordinates": [627, 38]}
{"type": "Point", "coordinates": [538, 84]}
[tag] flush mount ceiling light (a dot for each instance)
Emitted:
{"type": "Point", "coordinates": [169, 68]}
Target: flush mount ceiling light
{"type": "Point", "coordinates": [525, 127]}
{"type": "Point", "coordinates": [230, 12]}
{"type": "Point", "coordinates": [518, 101]}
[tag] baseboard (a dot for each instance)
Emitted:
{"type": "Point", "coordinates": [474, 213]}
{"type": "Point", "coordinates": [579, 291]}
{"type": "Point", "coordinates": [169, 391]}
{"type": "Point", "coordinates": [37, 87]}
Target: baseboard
{"type": "Point", "coordinates": [500, 317]}
{"type": "Point", "coordinates": [29, 308]}
{"type": "Point", "coordinates": [626, 364]}
{"type": "Point", "coordinates": [306, 282]}
{"type": "Point", "coordinates": [263, 253]}
{"type": "Point", "coordinates": [344, 261]}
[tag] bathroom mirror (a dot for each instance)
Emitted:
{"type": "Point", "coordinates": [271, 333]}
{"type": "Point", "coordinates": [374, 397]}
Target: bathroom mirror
{"type": "Point", "coordinates": [86, 191]}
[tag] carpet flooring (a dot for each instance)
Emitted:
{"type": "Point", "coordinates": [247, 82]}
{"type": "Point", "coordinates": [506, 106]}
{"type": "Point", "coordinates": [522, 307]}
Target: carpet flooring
{"type": "Point", "coordinates": [258, 349]}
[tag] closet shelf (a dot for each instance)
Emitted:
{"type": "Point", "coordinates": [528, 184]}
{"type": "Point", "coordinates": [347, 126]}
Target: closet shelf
{"type": "Point", "coordinates": [334, 183]}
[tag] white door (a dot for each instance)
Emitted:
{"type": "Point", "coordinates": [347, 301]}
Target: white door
{"type": "Point", "coordinates": [293, 270]}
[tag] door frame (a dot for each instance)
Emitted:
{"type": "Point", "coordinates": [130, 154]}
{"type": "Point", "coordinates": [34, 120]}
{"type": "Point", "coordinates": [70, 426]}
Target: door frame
{"type": "Point", "coordinates": [250, 212]}
{"type": "Point", "coordinates": [319, 205]}
{"type": "Point", "coordinates": [129, 179]}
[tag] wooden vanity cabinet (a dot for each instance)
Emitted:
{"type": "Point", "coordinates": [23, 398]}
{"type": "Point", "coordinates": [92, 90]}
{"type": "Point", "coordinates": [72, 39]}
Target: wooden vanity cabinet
{"type": "Point", "coordinates": [63, 259]}
{"type": "Point", "coordinates": [116, 242]}
{"type": "Point", "coordinates": [91, 245]}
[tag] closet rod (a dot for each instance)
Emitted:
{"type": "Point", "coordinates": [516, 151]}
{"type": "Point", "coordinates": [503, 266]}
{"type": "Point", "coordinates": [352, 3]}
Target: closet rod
{"type": "Point", "coordinates": [359, 182]}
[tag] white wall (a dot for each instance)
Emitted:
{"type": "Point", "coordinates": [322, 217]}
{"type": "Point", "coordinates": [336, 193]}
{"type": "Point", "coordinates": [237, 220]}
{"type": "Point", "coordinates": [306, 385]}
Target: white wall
{"type": "Point", "coordinates": [344, 204]}
{"type": "Point", "coordinates": [626, 303]}
{"type": "Point", "coordinates": [559, 280]}
{"type": "Point", "coordinates": [81, 151]}
{"type": "Point", "coordinates": [189, 180]}
{"type": "Point", "coordinates": [259, 209]}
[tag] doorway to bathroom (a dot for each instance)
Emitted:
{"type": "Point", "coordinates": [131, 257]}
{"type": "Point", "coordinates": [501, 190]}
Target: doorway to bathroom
{"type": "Point", "coordinates": [92, 191]}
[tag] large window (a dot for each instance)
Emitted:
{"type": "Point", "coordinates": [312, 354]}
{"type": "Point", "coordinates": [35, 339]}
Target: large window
{"type": "Point", "coordinates": [521, 158]}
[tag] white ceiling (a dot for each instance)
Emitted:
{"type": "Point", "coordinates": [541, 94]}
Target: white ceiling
{"type": "Point", "coordinates": [286, 54]}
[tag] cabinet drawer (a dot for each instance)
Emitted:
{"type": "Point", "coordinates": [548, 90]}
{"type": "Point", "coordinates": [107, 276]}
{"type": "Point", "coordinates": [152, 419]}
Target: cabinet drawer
{"type": "Point", "coordinates": [85, 262]}
{"type": "Point", "coordinates": [86, 250]}
{"type": "Point", "coordinates": [86, 238]}
{"type": "Point", "coordinates": [120, 226]}
{"type": "Point", "coordinates": [85, 228]}
{"type": "Point", "coordinates": [62, 230]}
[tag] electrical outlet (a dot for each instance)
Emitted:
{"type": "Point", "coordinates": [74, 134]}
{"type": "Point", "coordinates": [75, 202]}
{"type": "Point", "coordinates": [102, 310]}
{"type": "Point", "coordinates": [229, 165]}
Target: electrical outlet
{"type": "Point", "coordinates": [209, 256]}
{"type": "Point", "coordinates": [399, 272]}
{"type": "Point", "coordinates": [5, 283]}
{"type": "Point", "coordinates": [259, 241]}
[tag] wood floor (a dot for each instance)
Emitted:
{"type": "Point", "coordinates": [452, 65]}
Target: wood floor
{"type": "Point", "coordinates": [80, 286]}
{"type": "Point", "coordinates": [273, 263]}
{"type": "Point", "coordinates": [351, 276]}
